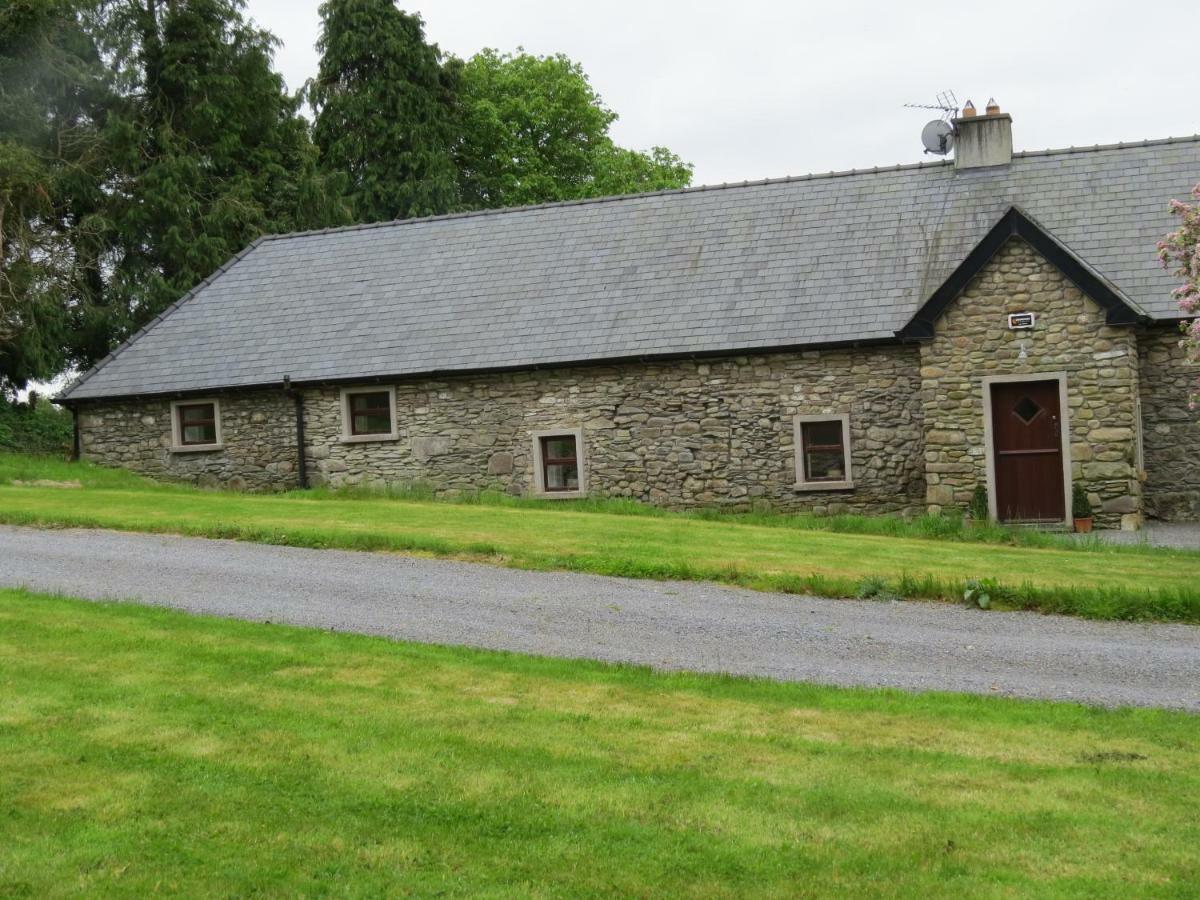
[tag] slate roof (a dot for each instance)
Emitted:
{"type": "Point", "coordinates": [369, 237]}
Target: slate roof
{"type": "Point", "coordinates": [820, 259]}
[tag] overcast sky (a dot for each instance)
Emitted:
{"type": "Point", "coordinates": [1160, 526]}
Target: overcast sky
{"type": "Point", "coordinates": [758, 89]}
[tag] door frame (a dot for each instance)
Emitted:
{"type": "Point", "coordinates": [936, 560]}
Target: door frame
{"type": "Point", "coordinates": [1064, 435]}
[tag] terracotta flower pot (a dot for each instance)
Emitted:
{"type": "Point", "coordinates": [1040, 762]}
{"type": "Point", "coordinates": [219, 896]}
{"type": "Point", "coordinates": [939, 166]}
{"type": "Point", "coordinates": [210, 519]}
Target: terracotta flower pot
{"type": "Point", "coordinates": [1083, 526]}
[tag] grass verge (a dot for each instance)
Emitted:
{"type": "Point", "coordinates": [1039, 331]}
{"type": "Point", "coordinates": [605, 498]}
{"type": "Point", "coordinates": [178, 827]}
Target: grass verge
{"type": "Point", "coordinates": [24, 467]}
{"type": "Point", "coordinates": [146, 751]}
{"type": "Point", "coordinates": [1098, 581]}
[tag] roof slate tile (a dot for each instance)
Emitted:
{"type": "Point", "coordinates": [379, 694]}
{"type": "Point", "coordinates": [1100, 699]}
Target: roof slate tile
{"type": "Point", "coordinates": [812, 260]}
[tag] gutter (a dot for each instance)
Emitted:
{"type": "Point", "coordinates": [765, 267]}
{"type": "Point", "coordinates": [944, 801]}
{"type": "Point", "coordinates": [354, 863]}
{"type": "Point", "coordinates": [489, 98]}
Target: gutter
{"type": "Point", "coordinates": [902, 337]}
{"type": "Point", "coordinates": [434, 374]}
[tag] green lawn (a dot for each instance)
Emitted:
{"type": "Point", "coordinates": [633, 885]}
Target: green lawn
{"type": "Point", "coordinates": [777, 553]}
{"type": "Point", "coordinates": [146, 751]}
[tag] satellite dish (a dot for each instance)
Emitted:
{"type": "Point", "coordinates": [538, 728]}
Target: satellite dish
{"type": "Point", "coordinates": [938, 137]}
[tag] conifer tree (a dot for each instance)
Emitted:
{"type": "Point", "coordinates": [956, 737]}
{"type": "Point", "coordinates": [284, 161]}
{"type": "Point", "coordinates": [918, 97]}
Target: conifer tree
{"type": "Point", "coordinates": [143, 142]}
{"type": "Point", "coordinates": [384, 111]}
{"type": "Point", "coordinates": [209, 150]}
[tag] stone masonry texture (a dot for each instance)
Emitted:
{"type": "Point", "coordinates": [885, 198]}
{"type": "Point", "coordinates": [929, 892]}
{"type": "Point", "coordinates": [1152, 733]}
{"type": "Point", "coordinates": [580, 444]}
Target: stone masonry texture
{"type": "Point", "coordinates": [678, 434]}
{"type": "Point", "coordinates": [973, 341]}
{"type": "Point", "coordinates": [1171, 431]}
{"type": "Point", "coordinates": [259, 437]}
{"type": "Point", "coordinates": [719, 432]}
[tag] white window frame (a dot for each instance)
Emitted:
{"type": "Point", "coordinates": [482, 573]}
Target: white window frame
{"type": "Point", "coordinates": [802, 483]}
{"type": "Point", "coordinates": [177, 444]}
{"type": "Point", "coordinates": [344, 403]}
{"type": "Point", "coordinates": [539, 486]}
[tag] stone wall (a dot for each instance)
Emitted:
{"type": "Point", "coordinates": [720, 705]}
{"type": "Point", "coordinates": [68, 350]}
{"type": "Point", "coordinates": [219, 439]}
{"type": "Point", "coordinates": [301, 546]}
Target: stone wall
{"type": "Point", "coordinates": [973, 341]}
{"type": "Point", "coordinates": [720, 432]}
{"type": "Point", "coordinates": [1170, 430]}
{"type": "Point", "coordinates": [680, 434]}
{"type": "Point", "coordinates": [258, 432]}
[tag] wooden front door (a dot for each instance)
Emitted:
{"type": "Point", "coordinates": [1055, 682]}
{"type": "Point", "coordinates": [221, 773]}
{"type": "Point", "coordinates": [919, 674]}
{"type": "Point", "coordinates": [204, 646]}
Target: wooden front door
{"type": "Point", "coordinates": [1027, 444]}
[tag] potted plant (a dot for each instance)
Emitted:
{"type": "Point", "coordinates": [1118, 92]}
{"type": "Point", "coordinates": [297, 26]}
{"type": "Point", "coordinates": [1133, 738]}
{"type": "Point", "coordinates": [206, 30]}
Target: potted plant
{"type": "Point", "coordinates": [1081, 508]}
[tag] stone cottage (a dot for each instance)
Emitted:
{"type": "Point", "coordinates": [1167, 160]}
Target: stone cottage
{"type": "Point", "coordinates": [878, 341]}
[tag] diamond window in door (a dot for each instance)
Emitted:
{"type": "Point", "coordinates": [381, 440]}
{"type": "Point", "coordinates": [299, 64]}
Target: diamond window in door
{"type": "Point", "coordinates": [1026, 410]}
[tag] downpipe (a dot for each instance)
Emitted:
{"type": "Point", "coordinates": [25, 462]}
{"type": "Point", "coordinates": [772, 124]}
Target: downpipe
{"type": "Point", "coordinates": [301, 461]}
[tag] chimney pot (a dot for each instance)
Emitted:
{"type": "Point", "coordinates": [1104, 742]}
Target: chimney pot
{"type": "Point", "coordinates": [993, 108]}
{"type": "Point", "coordinates": [968, 111]}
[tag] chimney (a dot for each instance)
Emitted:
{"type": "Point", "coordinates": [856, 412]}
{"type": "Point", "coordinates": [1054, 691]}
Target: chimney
{"type": "Point", "coordinates": [981, 141]}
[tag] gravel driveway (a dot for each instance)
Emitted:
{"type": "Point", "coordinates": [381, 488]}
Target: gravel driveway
{"type": "Point", "coordinates": [670, 625]}
{"type": "Point", "coordinates": [1179, 535]}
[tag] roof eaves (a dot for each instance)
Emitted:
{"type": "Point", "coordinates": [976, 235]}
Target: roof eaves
{"type": "Point", "coordinates": [878, 340]}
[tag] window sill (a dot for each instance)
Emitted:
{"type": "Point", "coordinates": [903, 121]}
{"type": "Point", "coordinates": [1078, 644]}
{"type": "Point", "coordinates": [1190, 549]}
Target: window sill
{"type": "Point", "coordinates": [369, 438]}
{"type": "Point", "coordinates": [824, 486]}
{"type": "Point", "coordinates": [560, 495]}
{"type": "Point", "coordinates": [197, 448]}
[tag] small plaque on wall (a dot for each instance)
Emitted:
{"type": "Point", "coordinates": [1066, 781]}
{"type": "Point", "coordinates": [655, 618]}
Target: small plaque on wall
{"type": "Point", "coordinates": [1020, 321]}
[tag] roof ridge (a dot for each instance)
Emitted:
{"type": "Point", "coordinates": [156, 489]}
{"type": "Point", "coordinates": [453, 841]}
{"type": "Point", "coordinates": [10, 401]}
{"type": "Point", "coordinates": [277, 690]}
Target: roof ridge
{"type": "Point", "coordinates": [610, 198]}
{"type": "Point", "coordinates": [701, 188]}
{"type": "Point", "coordinates": [1120, 145]}
{"type": "Point", "coordinates": [66, 392]}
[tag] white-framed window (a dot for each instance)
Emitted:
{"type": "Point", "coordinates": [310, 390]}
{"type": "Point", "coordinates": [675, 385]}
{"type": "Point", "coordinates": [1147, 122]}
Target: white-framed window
{"type": "Point", "coordinates": [196, 425]}
{"type": "Point", "coordinates": [559, 466]}
{"type": "Point", "coordinates": [368, 414]}
{"type": "Point", "coordinates": [823, 453]}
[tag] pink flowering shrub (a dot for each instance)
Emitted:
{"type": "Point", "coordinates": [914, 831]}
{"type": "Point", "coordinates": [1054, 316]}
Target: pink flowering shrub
{"type": "Point", "coordinates": [1181, 248]}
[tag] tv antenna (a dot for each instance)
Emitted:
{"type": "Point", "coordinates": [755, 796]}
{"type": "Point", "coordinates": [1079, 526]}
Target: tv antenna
{"type": "Point", "coordinates": [938, 135]}
{"type": "Point", "coordinates": [947, 103]}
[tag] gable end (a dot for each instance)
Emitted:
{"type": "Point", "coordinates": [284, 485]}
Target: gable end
{"type": "Point", "coordinates": [1120, 309]}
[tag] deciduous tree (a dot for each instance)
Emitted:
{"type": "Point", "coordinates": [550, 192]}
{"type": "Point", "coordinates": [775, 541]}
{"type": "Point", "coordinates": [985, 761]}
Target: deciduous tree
{"type": "Point", "coordinates": [534, 130]}
{"type": "Point", "coordinates": [1181, 249]}
{"type": "Point", "coordinates": [53, 90]}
